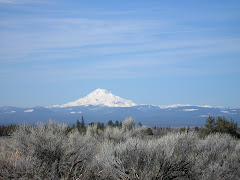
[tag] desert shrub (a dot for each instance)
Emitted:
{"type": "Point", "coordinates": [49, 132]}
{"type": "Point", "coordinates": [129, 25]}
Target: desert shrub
{"type": "Point", "coordinates": [148, 131]}
{"type": "Point", "coordinates": [218, 157]}
{"type": "Point", "coordinates": [15, 166]}
{"type": "Point", "coordinates": [136, 158]}
{"type": "Point", "coordinates": [76, 161]}
{"type": "Point", "coordinates": [128, 124]}
{"type": "Point", "coordinates": [92, 131]}
{"type": "Point", "coordinates": [52, 153]}
{"type": "Point", "coordinates": [47, 143]}
{"type": "Point", "coordinates": [161, 131]}
{"type": "Point", "coordinates": [128, 130]}
{"type": "Point", "coordinates": [173, 156]}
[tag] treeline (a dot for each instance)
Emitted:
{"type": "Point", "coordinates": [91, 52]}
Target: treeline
{"type": "Point", "coordinates": [81, 126]}
{"type": "Point", "coordinates": [212, 125]}
{"type": "Point", "coordinates": [7, 130]}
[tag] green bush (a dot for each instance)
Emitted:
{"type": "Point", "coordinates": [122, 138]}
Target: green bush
{"type": "Point", "coordinates": [221, 125]}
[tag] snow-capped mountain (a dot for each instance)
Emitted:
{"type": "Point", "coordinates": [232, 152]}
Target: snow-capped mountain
{"type": "Point", "coordinates": [102, 106]}
{"type": "Point", "coordinates": [100, 97]}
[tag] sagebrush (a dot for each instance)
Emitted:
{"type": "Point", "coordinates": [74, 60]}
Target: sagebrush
{"type": "Point", "coordinates": [127, 152]}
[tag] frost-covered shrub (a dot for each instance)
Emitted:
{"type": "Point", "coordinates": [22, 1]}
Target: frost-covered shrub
{"type": "Point", "coordinates": [137, 158]}
{"type": "Point", "coordinates": [161, 131]}
{"type": "Point", "coordinates": [92, 131]}
{"type": "Point", "coordinates": [116, 134]}
{"type": "Point", "coordinates": [52, 152]}
{"type": "Point", "coordinates": [128, 124]}
{"type": "Point", "coordinates": [218, 157]}
{"type": "Point", "coordinates": [128, 130]}
{"type": "Point", "coordinates": [78, 156]}
{"type": "Point", "coordinates": [55, 154]}
{"type": "Point", "coordinates": [173, 156]}
{"type": "Point", "coordinates": [47, 143]}
{"type": "Point", "coordinates": [113, 134]}
{"type": "Point", "coordinates": [15, 166]}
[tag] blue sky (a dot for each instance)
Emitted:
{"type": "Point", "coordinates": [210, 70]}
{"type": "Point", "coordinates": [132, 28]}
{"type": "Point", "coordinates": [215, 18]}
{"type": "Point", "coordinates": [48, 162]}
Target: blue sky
{"type": "Point", "coordinates": [151, 52]}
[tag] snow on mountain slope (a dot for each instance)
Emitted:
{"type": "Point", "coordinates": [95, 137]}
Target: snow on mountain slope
{"type": "Point", "coordinates": [100, 97]}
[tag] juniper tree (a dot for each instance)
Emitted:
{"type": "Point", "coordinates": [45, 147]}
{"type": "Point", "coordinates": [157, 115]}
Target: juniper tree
{"type": "Point", "coordinates": [110, 123]}
{"type": "Point", "coordinates": [117, 124]}
{"type": "Point", "coordinates": [82, 125]}
{"type": "Point", "coordinates": [78, 125]}
{"type": "Point", "coordinates": [100, 125]}
{"type": "Point", "coordinates": [221, 125]}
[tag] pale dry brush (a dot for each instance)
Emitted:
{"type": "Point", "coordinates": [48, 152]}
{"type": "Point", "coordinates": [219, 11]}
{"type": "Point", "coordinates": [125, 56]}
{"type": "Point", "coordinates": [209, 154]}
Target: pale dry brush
{"type": "Point", "coordinates": [118, 153]}
{"type": "Point", "coordinates": [53, 153]}
{"type": "Point", "coordinates": [173, 156]}
{"type": "Point", "coordinates": [128, 130]}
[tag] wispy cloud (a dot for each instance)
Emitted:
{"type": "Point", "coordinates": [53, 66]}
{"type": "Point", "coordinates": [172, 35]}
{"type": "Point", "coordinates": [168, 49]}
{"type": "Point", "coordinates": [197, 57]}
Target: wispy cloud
{"type": "Point", "coordinates": [6, 1]}
{"type": "Point", "coordinates": [12, 1]}
{"type": "Point", "coordinates": [68, 33]}
{"type": "Point", "coordinates": [21, 1]}
{"type": "Point", "coordinates": [106, 47]}
{"type": "Point", "coordinates": [50, 38]}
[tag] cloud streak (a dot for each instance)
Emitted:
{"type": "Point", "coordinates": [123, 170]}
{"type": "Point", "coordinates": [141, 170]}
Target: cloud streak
{"type": "Point", "coordinates": [122, 47]}
{"type": "Point", "coordinates": [11, 2]}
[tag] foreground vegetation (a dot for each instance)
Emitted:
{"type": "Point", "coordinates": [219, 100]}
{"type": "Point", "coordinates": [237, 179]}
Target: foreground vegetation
{"type": "Point", "coordinates": [55, 151]}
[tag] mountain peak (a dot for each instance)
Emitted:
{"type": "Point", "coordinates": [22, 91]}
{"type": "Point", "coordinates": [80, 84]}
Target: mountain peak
{"type": "Point", "coordinates": [100, 97]}
{"type": "Point", "coordinates": [99, 92]}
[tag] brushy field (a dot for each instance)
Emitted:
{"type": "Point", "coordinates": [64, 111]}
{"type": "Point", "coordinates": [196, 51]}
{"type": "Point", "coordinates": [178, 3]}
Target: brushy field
{"type": "Point", "coordinates": [52, 152]}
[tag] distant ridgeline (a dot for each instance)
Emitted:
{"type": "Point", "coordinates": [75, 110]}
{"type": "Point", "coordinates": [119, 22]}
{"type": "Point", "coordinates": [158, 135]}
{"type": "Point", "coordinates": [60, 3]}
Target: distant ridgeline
{"type": "Point", "coordinates": [102, 106]}
{"type": "Point", "coordinates": [178, 116]}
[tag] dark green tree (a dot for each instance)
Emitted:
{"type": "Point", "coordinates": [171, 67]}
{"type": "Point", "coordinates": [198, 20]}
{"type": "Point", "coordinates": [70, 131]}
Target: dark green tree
{"type": "Point", "coordinates": [91, 124]}
{"type": "Point", "coordinates": [82, 124]}
{"type": "Point", "coordinates": [100, 125]}
{"type": "Point", "coordinates": [149, 131]}
{"type": "Point", "coordinates": [221, 125]}
{"type": "Point", "coordinates": [78, 125]}
{"type": "Point", "coordinates": [196, 128]}
{"type": "Point", "coordinates": [110, 123]}
{"type": "Point", "coordinates": [209, 126]}
{"type": "Point", "coordinates": [120, 124]}
{"type": "Point", "coordinates": [7, 130]}
{"type": "Point", "coordinates": [117, 124]}
{"type": "Point", "coordinates": [82, 129]}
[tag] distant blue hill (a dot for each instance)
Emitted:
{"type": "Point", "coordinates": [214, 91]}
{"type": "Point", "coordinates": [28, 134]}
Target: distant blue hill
{"type": "Point", "coordinates": [150, 115]}
{"type": "Point", "coordinates": [101, 105]}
